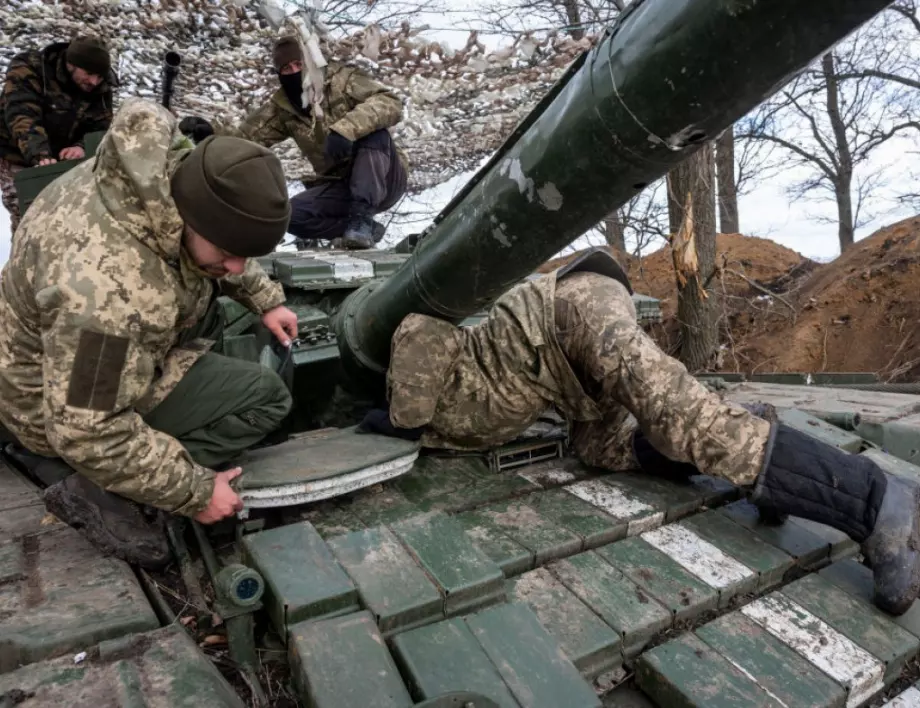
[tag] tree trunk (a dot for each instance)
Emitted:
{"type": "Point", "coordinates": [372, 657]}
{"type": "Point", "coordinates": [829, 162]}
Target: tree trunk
{"type": "Point", "coordinates": [845, 230]}
{"type": "Point", "coordinates": [696, 311]}
{"type": "Point", "coordinates": [728, 192]}
{"type": "Point", "coordinates": [615, 234]}
{"type": "Point", "coordinates": [573, 15]}
{"type": "Point", "coordinates": [844, 181]}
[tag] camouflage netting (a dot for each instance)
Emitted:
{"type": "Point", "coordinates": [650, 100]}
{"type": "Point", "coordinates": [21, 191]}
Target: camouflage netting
{"type": "Point", "coordinates": [459, 104]}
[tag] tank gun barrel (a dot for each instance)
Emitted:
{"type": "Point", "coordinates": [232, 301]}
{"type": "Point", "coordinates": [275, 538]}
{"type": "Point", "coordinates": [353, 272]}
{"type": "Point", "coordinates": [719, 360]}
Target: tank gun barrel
{"type": "Point", "coordinates": [171, 62]}
{"type": "Point", "coordinates": [666, 77]}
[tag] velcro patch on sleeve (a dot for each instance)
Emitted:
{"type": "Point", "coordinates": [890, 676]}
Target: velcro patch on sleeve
{"type": "Point", "coordinates": [97, 370]}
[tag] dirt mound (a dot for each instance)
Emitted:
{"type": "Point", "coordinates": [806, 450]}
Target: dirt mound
{"type": "Point", "coordinates": [860, 312]}
{"type": "Point", "coordinates": [743, 259]}
{"type": "Point", "coordinates": [782, 312]}
{"type": "Point", "coordinates": [757, 259]}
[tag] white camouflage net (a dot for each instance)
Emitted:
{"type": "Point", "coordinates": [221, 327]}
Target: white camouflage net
{"type": "Point", "coordinates": [459, 104]}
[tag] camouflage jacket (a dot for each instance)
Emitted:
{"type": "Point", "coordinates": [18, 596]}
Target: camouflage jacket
{"type": "Point", "coordinates": [481, 386]}
{"type": "Point", "coordinates": [353, 106]}
{"type": "Point", "coordinates": [93, 300]}
{"type": "Point", "coordinates": [42, 111]}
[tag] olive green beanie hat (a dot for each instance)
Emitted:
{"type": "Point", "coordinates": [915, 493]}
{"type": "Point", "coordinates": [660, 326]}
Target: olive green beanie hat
{"type": "Point", "coordinates": [233, 192]}
{"type": "Point", "coordinates": [89, 54]}
{"type": "Point", "coordinates": [286, 50]}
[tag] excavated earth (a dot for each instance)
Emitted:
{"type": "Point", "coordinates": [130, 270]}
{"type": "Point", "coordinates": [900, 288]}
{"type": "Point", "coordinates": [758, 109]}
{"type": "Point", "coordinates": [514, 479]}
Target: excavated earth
{"type": "Point", "coordinates": [857, 313]}
{"type": "Point", "coordinates": [782, 312]}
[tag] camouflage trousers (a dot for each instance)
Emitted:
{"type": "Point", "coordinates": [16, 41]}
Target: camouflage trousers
{"type": "Point", "coordinates": [635, 384]}
{"type": "Point", "coordinates": [8, 189]}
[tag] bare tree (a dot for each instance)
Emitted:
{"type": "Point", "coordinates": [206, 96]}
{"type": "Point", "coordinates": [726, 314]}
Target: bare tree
{"type": "Point", "coordinates": [896, 31]}
{"type": "Point", "coordinates": [692, 216]}
{"type": "Point", "coordinates": [576, 17]}
{"type": "Point", "coordinates": [639, 225]}
{"type": "Point", "coordinates": [832, 118]}
{"type": "Point", "coordinates": [349, 15]}
{"type": "Point", "coordinates": [645, 219]}
{"type": "Point", "coordinates": [728, 191]}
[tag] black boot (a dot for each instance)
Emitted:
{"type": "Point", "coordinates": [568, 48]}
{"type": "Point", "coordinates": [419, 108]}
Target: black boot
{"type": "Point", "coordinates": [805, 477]}
{"type": "Point", "coordinates": [360, 231]}
{"type": "Point", "coordinates": [115, 525]}
{"type": "Point", "coordinates": [656, 464]}
{"type": "Point", "coordinates": [47, 470]}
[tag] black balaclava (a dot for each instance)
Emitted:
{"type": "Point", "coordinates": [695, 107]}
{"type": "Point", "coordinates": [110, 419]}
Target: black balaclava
{"type": "Point", "coordinates": [293, 89]}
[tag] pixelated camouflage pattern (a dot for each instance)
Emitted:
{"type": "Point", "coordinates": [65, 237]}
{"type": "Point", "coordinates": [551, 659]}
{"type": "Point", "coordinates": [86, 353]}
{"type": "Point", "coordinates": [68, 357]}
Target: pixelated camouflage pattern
{"type": "Point", "coordinates": [93, 303]}
{"type": "Point", "coordinates": [354, 105]}
{"type": "Point", "coordinates": [481, 386]}
{"type": "Point", "coordinates": [8, 191]}
{"type": "Point", "coordinates": [42, 111]}
{"type": "Point", "coordinates": [627, 373]}
{"type": "Point", "coordinates": [488, 383]}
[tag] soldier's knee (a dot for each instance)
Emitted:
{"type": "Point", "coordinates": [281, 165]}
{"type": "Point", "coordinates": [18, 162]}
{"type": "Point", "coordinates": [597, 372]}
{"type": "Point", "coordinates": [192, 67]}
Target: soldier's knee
{"type": "Point", "coordinates": [274, 402]}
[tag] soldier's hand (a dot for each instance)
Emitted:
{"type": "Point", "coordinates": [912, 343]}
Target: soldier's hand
{"type": "Point", "coordinates": [378, 421]}
{"type": "Point", "coordinates": [74, 152]}
{"type": "Point", "coordinates": [281, 322]}
{"type": "Point", "coordinates": [224, 501]}
{"type": "Point", "coordinates": [337, 147]}
{"type": "Point", "coordinates": [196, 128]}
{"type": "Point", "coordinates": [46, 161]}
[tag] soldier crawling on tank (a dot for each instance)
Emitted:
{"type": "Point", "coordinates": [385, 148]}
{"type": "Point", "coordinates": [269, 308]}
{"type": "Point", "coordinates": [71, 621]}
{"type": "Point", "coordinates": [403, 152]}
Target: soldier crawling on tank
{"type": "Point", "coordinates": [571, 339]}
{"type": "Point", "coordinates": [359, 171]}
{"type": "Point", "coordinates": [110, 330]}
{"type": "Point", "coordinates": [51, 99]}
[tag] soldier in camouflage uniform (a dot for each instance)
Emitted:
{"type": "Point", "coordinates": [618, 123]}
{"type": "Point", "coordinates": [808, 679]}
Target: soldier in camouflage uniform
{"type": "Point", "coordinates": [359, 170]}
{"type": "Point", "coordinates": [109, 328]}
{"type": "Point", "coordinates": [570, 339]}
{"type": "Point", "coordinates": [51, 99]}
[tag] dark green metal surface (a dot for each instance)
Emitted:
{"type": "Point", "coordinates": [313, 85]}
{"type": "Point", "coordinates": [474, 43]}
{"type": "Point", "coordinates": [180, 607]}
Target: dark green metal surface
{"type": "Point", "coordinates": [659, 576]}
{"type": "Point", "coordinates": [857, 620]}
{"type": "Point", "coordinates": [156, 669]}
{"type": "Point", "coordinates": [466, 577]}
{"type": "Point", "coordinates": [32, 180]}
{"type": "Point", "coordinates": [446, 657]}
{"type": "Point", "coordinates": [584, 637]}
{"type": "Point", "coordinates": [529, 660]}
{"type": "Point", "coordinates": [390, 584]}
{"type": "Point", "coordinates": [775, 666]}
{"type": "Point", "coordinates": [303, 580]}
{"type": "Point", "coordinates": [625, 607]}
{"type": "Point", "coordinates": [769, 562]}
{"type": "Point", "coordinates": [643, 100]}
{"type": "Point", "coordinates": [685, 673]}
{"type": "Point", "coordinates": [343, 662]}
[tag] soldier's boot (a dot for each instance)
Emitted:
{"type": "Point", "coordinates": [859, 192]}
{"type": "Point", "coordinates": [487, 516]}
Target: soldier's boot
{"type": "Point", "coordinates": [806, 477]}
{"type": "Point", "coordinates": [360, 231]}
{"type": "Point", "coordinates": [46, 470]}
{"type": "Point", "coordinates": [379, 231]}
{"type": "Point", "coordinates": [306, 244]}
{"type": "Point", "coordinates": [115, 525]}
{"type": "Point", "coordinates": [659, 465]}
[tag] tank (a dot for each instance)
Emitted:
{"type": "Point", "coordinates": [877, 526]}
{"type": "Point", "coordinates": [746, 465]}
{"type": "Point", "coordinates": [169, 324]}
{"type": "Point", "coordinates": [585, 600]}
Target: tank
{"type": "Point", "coordinates": [365, 571]}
